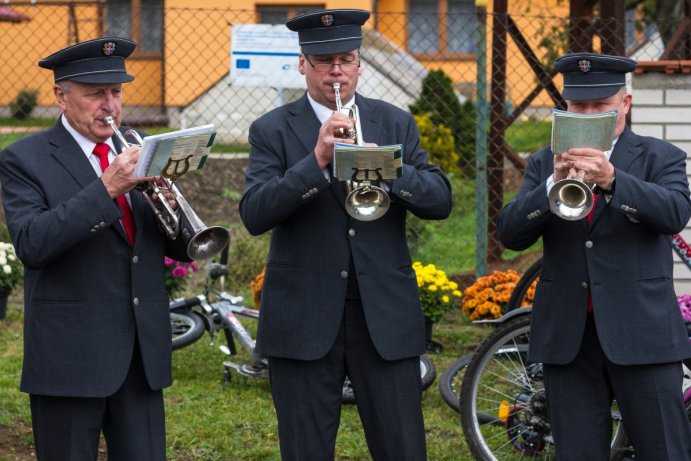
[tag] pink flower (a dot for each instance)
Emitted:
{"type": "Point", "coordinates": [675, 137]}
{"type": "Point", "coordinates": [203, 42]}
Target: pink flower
{"type": "Point", "coordinates": [168, 261]}
{"type": "Point", "coordinates": [179, 271]}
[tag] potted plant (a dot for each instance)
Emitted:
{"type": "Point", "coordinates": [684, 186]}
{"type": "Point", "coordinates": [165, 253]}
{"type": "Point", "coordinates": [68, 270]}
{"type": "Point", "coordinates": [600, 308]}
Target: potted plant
{"type": "Point", "coordinates": [438, 295]}
{"type": "Point", "coordinates": [11, 274]}
{"type": "Point", "coordinates": [487, 297]}
{"type": "Point", "coordinates": [177, 274]}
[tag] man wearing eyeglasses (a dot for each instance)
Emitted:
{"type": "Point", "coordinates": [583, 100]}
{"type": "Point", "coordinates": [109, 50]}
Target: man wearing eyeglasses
{"type": "Point", "coordinates": [340, 296]}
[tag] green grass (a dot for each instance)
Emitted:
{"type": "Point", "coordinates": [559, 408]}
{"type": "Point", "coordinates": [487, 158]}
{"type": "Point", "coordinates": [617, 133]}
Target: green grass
{"type": "Point", "coordinates": [529, 136]}
{"type": "Point", "coordinates": [209, 420]}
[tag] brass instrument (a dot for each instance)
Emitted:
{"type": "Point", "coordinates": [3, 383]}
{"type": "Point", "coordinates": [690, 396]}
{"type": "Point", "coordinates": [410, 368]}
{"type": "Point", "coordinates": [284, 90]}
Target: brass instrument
{"type": "Point", "coordinates": [571, 198]}
{"type": "Point", "coordinates": [203, 242]}
{"type": "Point", "coordinates": [365, 201]}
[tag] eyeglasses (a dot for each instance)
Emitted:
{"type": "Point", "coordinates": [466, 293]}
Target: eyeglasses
{"type": "Point", "coordinates": [326, 66]}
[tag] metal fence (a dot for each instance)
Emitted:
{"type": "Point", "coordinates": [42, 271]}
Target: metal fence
{"type": "Point", "coordinates": [442, 68]}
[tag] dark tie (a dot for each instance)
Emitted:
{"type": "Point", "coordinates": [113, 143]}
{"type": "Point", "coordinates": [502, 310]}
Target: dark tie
{"type": "Point", "coordinates": [101, 151]}
{"type": "Point", "coordinates": [590, 218]}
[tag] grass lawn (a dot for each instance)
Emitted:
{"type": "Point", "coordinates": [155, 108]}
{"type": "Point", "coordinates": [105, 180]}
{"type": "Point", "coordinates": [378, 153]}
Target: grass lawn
{"type": "Point", "coordinates": [208, 419]}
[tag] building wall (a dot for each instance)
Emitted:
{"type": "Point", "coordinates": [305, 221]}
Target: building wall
{"type": "Point", "coordinates": [662, 108]}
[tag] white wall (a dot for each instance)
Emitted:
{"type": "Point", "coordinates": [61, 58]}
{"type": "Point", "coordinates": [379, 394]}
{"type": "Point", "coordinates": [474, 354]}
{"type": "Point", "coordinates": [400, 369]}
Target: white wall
{"type": "Point", "coordinates": [662, 108]}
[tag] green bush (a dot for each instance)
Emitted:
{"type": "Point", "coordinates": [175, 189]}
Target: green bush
{"type": "Point", "coordinates": [23, 104]}
{"type": "Point", "coordinates": [438, 99]}
{"type": "Point", "coordinates": [438, 141]}
{"type": "Point", "coordinates": [246, 258]}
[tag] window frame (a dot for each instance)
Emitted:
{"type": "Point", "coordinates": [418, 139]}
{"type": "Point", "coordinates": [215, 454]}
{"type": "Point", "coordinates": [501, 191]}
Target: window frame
{"type": "Point", "coordinates": [135, 31]}
{"type": "Point", "coordinates": [442, 39]}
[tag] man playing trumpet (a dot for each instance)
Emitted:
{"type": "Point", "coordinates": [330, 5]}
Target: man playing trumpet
{"type": "Point", "coordinates": [605, 319]}
{"type": "Point", "coordinates": [97, 331]}
{"type": "Point", "coordinates": [340, 295]}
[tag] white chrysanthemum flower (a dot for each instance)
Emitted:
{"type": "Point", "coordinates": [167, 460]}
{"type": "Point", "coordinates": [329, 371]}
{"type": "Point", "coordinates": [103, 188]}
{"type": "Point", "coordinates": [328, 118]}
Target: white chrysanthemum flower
{"type": "Point", "coordinates": [7, 269]}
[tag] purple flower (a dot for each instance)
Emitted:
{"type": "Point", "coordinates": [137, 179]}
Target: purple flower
{"type": "Point", "coordinates": [685, 307]}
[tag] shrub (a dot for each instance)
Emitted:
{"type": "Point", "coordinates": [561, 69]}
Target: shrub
{"type": "Point", "coordinates": [438, 141]}
{"type": "Point", "coordinates": [438, 99]}
{"type": "Point", "coordinates": [24, 104]}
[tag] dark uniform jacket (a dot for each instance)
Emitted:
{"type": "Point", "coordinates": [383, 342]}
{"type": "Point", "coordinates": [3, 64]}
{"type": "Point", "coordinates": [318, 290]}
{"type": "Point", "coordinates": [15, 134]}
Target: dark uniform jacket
{"type": "Point", "coordinates": [624, 257]}
{"type": "Point", "coordinates": [313, 239]}
{"type": "Point", "coordinates": [87, 293]}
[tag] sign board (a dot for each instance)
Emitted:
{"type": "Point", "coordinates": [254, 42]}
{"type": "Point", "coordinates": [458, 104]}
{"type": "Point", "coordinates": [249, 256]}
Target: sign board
{"type": "Point", "coordinates": [265, 55]}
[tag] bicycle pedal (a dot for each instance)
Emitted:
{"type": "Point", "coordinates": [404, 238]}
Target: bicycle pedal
{"type": "Point", "coordinates": [253, 371]}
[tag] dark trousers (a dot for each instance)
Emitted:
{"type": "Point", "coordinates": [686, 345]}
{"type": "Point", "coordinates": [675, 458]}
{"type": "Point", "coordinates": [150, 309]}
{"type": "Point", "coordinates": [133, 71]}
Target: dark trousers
{"type": "Point", "coordinates": [132, 421]}
{"type": "Point", "coordinates": [649, 398]}
{"type": "Point", "coordinates": [307, 398]}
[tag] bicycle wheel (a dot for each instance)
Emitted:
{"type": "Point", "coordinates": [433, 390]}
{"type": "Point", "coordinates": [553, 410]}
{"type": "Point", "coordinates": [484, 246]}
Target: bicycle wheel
{"type": "Point", "coordinates": [451, 379]}
{"type": "Point", "coordinates": [501, 382]}
{"type": "Point", "coordinates": [187, 327]}
{"type": "Point", "coordinates": [521, 288]}
{"type": "Point", "coordinates": [427, 374]}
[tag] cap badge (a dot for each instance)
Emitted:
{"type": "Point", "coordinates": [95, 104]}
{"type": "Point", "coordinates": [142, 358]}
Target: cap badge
{"type": "Point", "coordinates": [108, 48]}
{"type": "Point", "coordinates": [584, 65]}
{"type": "Point", "coordinates": [327, 20]}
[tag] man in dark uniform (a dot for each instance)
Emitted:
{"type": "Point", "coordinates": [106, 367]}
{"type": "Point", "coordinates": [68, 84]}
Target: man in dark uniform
{"type": "Point", "coordinates": [605, 319]}
{"type": "Point", "coordinates": [340, 295]}
{"type": "Point", "coordinates": [97, 347]}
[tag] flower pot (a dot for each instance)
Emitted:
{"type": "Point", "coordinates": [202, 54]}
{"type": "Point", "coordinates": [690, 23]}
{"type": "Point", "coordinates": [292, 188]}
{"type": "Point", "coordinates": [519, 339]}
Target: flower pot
{"type": "Point", "coordinates": [3, 303]}
{"type": "Point", "coordinates": [432, 347]}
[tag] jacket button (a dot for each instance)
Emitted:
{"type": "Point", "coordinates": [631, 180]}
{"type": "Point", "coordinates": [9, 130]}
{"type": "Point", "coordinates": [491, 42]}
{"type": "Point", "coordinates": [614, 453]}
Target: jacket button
{"type": "Point", "coordinates": [588, 244]}
{"type": "Point", "coordinates": [135, 301]}
{"type": "Point", "coordinates": [351, 232]}
{"type": "Point", "coordinates": [344, 274]}
{"type": "Point", "coordinates": [135, 259]}
{"type": "Point", "coordinates": [584, 285]}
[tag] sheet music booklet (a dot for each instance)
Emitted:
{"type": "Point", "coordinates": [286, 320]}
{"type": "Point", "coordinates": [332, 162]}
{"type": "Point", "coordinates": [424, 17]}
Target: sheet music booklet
{"type": "Point", "coordinates": [570, 129]}
{"type": "Point", "coordinates": [370, 162]}
{"type": "Point", "coordinates": [173, 154]}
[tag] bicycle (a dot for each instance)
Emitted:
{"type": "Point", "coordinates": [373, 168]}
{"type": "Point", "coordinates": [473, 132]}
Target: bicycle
{"type": "Point", "coordinates": [452, 376]}
{"type": "Point", "coordinates": [218, 310]}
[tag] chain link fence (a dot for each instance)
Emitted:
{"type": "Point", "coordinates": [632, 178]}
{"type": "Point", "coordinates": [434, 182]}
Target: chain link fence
{"type": "Point", "coordinates": [464, 75]}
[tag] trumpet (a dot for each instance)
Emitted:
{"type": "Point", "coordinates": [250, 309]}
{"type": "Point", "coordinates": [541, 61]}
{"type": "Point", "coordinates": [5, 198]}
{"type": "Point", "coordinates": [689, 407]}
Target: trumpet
{"type": "Point", "coordinates": [571, 198]}
{"type": "Point", "coordinates": [202, 242]}
{"type": "Point", "coordinates": [365, 201]}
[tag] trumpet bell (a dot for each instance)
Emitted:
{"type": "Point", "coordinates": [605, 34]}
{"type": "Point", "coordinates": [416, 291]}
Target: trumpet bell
{"type": "Point", "coordinates": [367, 203]}
{"type": "Point", "coordinates": [205, 243]}
{"type": "Point", "coordinates": [571, 199]}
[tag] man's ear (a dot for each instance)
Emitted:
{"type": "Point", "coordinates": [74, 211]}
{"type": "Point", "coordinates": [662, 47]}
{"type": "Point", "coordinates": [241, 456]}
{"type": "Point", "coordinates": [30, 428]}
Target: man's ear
{"type": "Point", "coordinates": [301, 64]}
{"type": "Point", "coordinates": [59, 96]}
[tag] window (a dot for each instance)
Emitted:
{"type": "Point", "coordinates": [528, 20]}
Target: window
{"type": "Point", "coordinates": [444, 27]}
{"type": "Point", "coordinates": [139, 20]}
{"type": "Point", "coordinates": [281, 14]}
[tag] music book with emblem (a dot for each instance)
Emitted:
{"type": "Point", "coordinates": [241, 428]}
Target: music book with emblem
{"type": "Point", "coordinates": [175, 153]}
{"type": "Point", "coordinates": [571, 129]}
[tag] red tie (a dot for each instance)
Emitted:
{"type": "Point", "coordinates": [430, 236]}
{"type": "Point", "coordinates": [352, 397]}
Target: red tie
{"type": "Point", "coordinates": [590, 218]}
{"type": "Point", "coordinates": [101, 151]}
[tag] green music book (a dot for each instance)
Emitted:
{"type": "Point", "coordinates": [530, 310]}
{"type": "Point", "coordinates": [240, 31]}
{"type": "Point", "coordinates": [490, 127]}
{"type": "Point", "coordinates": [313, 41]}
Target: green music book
{"type": "Point", "coordinates": [570, 129]}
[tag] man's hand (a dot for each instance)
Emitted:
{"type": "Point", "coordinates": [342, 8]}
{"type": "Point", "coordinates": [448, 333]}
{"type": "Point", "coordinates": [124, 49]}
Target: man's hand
{"type": "Point", "coordinates": [118, 176]}
{"type": "Point", "coordinates": [593, 163]}
{"type": "Point", "coordinates": [329, 133]}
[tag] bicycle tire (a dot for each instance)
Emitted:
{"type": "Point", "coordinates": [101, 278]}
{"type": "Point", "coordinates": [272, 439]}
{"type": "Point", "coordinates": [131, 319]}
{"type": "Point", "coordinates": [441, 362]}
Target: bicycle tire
{"type": "Point", "coordinates": [521, 288]}
{"type": "Point", "coordinates": [451, 379]}
{"type": "Point", "coordinates": [187, 327]}
{"type": "Point", "coordinates": [499, 381]}
{"type": "Point", "coordinates": [428, 373]}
